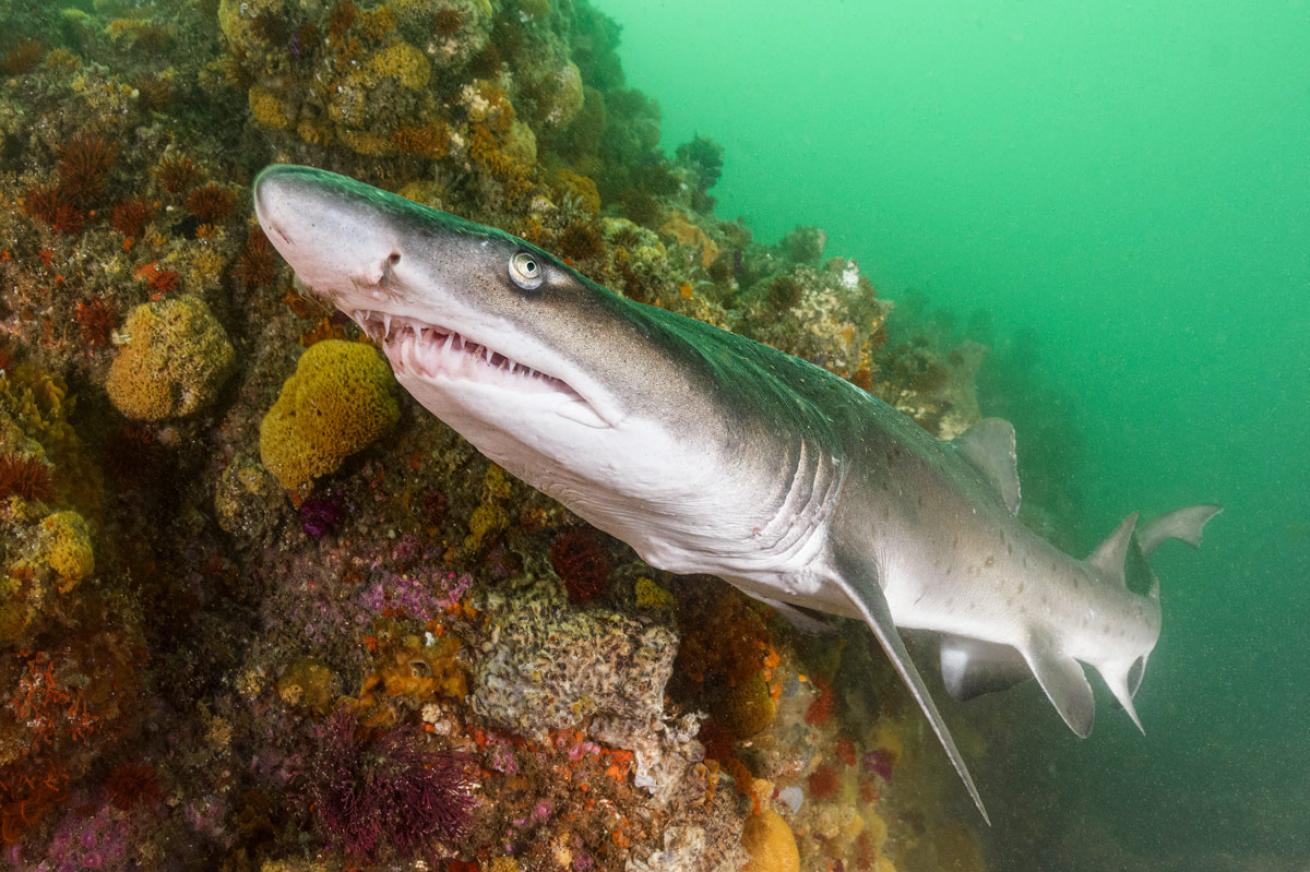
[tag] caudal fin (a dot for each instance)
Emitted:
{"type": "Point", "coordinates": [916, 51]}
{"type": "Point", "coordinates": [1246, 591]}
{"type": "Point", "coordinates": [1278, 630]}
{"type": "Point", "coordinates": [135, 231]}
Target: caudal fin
{"type": "Point", "coordinates": [1123, 679]}
{"type": "Point", "coordinates": [1185, 524]}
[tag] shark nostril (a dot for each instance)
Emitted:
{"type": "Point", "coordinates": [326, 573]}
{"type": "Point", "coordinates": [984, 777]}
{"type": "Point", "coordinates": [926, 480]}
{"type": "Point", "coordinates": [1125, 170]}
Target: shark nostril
{"type": "Point", "coordinates": [394, 258]}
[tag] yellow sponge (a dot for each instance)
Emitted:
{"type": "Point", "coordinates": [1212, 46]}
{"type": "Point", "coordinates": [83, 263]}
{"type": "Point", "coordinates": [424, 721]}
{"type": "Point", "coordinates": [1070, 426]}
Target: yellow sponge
{"type": "Point", "coordinates": [174, 362]}
{"type": "Point", "coordinates": [340, 398]}
{"type": "Point", "coordinates": [68, 548]}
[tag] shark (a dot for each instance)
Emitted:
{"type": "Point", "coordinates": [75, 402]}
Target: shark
{"type": "Point", "coordinates": [710, 453]}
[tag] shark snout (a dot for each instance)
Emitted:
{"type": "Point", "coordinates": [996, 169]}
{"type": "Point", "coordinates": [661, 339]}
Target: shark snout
{"type": "Point", "coordinates": [274, 196]}
{"type": "Point", "coordinates": [337, 241]}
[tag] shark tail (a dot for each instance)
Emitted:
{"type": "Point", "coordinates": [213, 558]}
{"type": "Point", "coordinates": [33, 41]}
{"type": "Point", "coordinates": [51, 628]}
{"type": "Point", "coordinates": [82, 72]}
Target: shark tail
{"type": "Point", "coordinates": [1124, 677]}
{"type": "Point", "coordinates": [1185, 524]}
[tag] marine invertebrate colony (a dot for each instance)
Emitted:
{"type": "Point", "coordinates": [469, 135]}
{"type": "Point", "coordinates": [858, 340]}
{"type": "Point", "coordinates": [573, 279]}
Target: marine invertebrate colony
{"type": "Point", "coordinates": [176, 358]}
{"type": "Point", "coordinates": [337, 402]}
{"type": "Point", "coordinates": [25, 476]}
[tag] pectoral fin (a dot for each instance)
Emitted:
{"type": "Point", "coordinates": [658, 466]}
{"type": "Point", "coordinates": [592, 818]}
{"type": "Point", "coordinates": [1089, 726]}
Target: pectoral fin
{"type": "Point", "coordinates": [971, 667]}
{"type": "Point", "coordinates": [1065, 684]}
{"type": "Point", "coordinates": [859, 580]}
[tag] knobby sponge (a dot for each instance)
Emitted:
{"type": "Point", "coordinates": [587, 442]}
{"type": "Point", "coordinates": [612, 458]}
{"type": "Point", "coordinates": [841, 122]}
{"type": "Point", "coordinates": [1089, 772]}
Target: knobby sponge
{"type": "Point", "coordinates": [175, 360]}
{"type": "Point", "coordinates": [68, 548]}
{"type": "Point", "coordinates": [340, 398]}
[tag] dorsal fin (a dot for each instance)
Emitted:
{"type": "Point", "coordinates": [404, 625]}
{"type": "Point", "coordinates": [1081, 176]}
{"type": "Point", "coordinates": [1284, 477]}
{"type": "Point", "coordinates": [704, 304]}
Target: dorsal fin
{"type": "Point", "coordinates": [989, 448]}
{"type": "Point", "coordinates": [1110, 555]}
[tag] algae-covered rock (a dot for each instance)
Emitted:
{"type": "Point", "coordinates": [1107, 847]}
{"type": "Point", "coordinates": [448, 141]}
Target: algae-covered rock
{"type": "Point", "coordinates": [340, 398]}
{"type": "Point", "coordinates": [248, 500]}
{"type": "Point", "coordinates": [175, 359]}
{"type": "Point", "coordinates": [309, 684]}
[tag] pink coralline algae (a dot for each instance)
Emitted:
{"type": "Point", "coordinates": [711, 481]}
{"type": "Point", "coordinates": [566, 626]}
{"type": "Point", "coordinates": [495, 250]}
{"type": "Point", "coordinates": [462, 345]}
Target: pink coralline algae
{"type": "Point", "coordinates": [420, 598]}
{"type": "Point", "coordinates": [96, 841]}
{"type": "Point", "coordinates": [374, 792]}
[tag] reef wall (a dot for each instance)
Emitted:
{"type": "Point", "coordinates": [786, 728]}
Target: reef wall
{"type": "Point", "coordinates": [232, 637]}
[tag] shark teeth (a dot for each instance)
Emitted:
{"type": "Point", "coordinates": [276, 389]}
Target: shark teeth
{"type": "Point", "coordinates": [418, 348]}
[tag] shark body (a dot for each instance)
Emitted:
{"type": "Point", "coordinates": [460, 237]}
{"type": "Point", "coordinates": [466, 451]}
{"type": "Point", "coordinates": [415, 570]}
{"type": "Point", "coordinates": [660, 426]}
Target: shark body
{"type": "Point", "coordinates": [710, 453]}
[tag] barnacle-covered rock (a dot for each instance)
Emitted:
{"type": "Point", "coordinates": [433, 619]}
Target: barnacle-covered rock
{"type": "Point", "coordinates": [175, 358]}
{"type": "Point", "coordinates": [544, 666]}
{"type": "Point", "coordinates": [340, 398]}
{"type": "Point", "coordinates": [551, 667]}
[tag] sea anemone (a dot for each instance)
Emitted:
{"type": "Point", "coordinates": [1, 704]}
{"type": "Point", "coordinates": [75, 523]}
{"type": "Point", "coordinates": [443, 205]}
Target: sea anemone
{"type": "Point", "coordinates": [581, 241]}
{"type": "Point", "coordinates": [84, 165]}
{"type": "Point", "coordinates": [50, 205]}
{"type": "Point", "coordinates": [257, 264]}
{"type": "Point", "coordinates": [132, 784]}
{"type": "Point", "coordinates": [447, 22]}
{"type": "Point", "coordinates": [372, 792]}
{"type": "Point", "coordinates": [96, 321]}
{"type": "Point", "coordinates": [130, 217]}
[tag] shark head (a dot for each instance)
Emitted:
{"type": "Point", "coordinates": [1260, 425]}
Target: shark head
{"type": "Point", "coordinates": [544, 371]}
{"type": "Point", "coordinates": [483, 317]}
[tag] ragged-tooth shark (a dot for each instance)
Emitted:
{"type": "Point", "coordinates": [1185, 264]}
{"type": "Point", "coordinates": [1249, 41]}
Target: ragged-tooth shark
{"type": "Point", "coordinates": [710, 453]}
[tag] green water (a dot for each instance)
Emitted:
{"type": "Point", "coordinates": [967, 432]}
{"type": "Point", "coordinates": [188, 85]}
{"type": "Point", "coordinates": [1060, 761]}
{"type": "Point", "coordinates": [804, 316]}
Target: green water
{"type": "Point", "coordinates": [1129, 183]}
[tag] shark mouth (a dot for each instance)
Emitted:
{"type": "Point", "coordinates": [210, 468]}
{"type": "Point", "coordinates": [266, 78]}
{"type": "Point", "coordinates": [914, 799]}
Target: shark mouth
{"type": "Point", "coordinates": [417, 348]}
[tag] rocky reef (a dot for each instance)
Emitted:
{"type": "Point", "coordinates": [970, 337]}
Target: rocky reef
{"type": "Point", "coordinates": [235, 638]}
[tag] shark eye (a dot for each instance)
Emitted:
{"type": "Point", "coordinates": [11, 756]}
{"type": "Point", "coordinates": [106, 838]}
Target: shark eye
{"type": "Point", "coordinates": [525, 271]}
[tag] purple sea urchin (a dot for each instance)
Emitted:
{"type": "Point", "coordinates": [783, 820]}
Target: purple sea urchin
{"type": "Point", "coordinates": [378, 791]}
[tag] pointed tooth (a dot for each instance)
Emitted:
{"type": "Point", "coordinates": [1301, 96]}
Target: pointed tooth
{"type": "Point", "coordinates": [386, 326]}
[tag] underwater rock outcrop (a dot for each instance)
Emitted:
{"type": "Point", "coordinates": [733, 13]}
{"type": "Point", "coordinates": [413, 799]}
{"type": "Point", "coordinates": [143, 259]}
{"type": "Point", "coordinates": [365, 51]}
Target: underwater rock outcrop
{"type": "Point", "coordinates": [254, 601]}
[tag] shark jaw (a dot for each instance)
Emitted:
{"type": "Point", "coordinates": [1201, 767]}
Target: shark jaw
{"type": "Point", "coordinates": [471, 374]}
